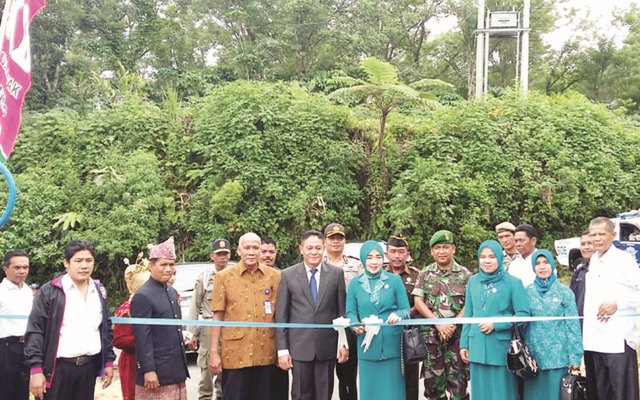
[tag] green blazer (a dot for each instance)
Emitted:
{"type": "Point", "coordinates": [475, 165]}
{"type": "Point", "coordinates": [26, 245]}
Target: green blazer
{"type": "Point", "coordinates": [504, 298]}
{"type": "Point", "coordinates": [393, 299]}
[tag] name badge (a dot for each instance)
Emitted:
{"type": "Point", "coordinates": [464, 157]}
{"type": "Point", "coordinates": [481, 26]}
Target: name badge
{"type": "Point", "coordinates": [267, 307]}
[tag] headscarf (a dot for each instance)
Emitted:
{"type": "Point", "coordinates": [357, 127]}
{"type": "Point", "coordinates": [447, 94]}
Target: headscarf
{"type": "Point", "coordinates": [499, 272]}
{"type": "Point", "coordinates": [368, 278]}
{"type": "Point", "coordinates": [544, 284]}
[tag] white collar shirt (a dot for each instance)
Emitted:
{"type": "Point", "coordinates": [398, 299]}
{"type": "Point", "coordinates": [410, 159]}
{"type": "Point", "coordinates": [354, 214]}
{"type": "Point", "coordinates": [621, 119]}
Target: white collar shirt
{"type": "Point", "coordinates": [521, 268]}
{"type": "Point", "coordinates": [612, 276]}
{"type": "Point", "coordinates": [317, 275]}
{"type": "Point", "coordinates": [14, 300]}
{"type": "Point", "coordinates": [80, 331]}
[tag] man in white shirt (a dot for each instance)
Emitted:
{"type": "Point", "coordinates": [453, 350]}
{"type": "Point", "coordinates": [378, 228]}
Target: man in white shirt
{"type": "Point", "coordinates": [612, 290]}
{"type": "Point", "coordinates": [526, 238]}
{"type": "Point", "coordinates": [69, 340]}
{"type": "Point", "coordinates": [15, 299]}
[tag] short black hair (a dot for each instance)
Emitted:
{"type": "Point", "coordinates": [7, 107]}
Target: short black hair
{"type": "Point", "coordinates": [14, 253]}
{"type": "Point", "coordinates": [75, 246]}
{"type": "Point", "coordinates": [268, 240]}
{"type": "Point", "coordinates": [584, 233]}
{"type": "Point", "coordinates": [307, 234]}
{"type": "Point", "coordinates": [528, 229]}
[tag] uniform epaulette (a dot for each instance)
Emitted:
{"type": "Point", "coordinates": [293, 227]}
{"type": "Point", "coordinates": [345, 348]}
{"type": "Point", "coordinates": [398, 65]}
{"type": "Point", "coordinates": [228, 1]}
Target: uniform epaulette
{"type": "Point", "coordinates": [414, 269]}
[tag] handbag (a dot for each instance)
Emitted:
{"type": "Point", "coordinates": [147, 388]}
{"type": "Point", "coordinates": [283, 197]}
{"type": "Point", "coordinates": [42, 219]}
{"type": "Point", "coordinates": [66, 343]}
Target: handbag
{"type": "Point", "coordinates": [519, 359]}
{"type": "Point", "coordinates": [573, 387]}
{"type": "Point", "coordinates": [413, 348]}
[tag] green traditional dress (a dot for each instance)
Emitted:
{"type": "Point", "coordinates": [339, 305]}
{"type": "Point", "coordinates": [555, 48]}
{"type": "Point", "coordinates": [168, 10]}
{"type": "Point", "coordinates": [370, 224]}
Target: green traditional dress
{"type": "Point", "coordinates": [555, 345]}
{"type": "Point", "coordinates": [378, 294]}
{"type": "Point", "coordinates": [492, 295]}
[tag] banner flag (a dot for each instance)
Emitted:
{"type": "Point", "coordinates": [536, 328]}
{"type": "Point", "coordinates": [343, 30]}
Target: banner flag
{"type": "Point", "coordinates": [15, 68]}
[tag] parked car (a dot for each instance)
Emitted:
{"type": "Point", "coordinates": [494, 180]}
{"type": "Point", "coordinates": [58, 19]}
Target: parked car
{"type": "Point", "coordinates": [627, 230]}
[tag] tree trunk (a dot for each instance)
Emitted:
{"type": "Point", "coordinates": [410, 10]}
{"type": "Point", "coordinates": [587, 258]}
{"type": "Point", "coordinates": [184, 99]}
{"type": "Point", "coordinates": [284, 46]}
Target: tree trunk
{"type": "Point", "coordinates": [383, 168]}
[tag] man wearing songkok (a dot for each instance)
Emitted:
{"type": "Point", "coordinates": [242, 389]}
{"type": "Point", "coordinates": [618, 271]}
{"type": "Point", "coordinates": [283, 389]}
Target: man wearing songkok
{"type": "Point", "coordinates": [397, 252]}
{"type": "Point", "coordinates": [526, 239]}
{"type": "Point", "coordinates": [612, 290]}
{"type": "Point", "coordinates": [506, 233]}
{"type": "Point", "coordinates": [440, 293]}
{"type": "Point", "coordinates": [69, 340]}
{"type": "Point", "coordinates": [310, 292]}
{"type": "Point", "coordinates": [335, 239]}
{"type": "Point", "coordinates": [244, 292]}
{"type": "Point", "coordinates": [16, 298]}
{"type": "Point", "coordinates": [201, 305]}
{"type": "Point", "coordinates": [161, 364]}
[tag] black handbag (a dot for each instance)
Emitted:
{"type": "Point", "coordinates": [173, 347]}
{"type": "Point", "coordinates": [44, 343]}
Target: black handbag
{"type": "Point", "coordinates": [573, 387]}
{"type": "Point", "coordinates": [414, 350]}
{"type": "Point", "coordinates": [519, 359]}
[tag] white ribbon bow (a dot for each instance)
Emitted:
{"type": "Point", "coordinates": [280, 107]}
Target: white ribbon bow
{"type": "Point", "coordinates": [342, 323]}
{"type": "Point", "coordinates": [372, 327]}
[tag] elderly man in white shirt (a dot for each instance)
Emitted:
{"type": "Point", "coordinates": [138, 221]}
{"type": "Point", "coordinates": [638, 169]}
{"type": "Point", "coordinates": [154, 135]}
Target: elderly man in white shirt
{"type": "Point", "coordinates": [612, 290]}
{"type": "Point", "coordinates": [526, 238]}
{"type": "Point", "coordinates": [16, 298]}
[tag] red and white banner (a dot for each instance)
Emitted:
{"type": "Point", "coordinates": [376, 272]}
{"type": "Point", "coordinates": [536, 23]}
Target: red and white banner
{"type": "Point", "coordinates": [15, 67]}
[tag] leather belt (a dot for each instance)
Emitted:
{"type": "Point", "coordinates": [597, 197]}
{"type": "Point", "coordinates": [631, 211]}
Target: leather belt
{"type": "Point", "coordinates": [79, 361]}
{"type": "Point", "coordinates": [12, 339]}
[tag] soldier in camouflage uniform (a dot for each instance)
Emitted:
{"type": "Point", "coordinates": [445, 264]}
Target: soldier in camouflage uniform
{"type": "Point", "coordinates": [440, 293]}
{"type": "Point", "coordinates": [209, 387]}
{"type": "Point", "coordinates": [335, 239]}
{"type": "Point", "coordinates": [397, 252]}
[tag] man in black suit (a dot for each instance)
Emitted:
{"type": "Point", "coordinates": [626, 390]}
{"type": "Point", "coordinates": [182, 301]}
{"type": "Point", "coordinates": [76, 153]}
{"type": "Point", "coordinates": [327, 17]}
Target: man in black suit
{"type": "Point", "coordinates": [310, 292]}
{"type": "Point", "coordinates": [161, 364]}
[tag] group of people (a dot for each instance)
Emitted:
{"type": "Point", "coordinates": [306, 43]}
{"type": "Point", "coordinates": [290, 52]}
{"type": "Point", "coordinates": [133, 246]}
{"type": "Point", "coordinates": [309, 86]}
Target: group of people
{"type": "Point", "coordinates": [68, 339]}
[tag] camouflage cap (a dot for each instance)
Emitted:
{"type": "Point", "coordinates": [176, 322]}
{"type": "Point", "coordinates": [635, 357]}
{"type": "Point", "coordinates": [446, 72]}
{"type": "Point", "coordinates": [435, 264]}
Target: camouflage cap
{"type": "Point", "coordinates": [443, 236]}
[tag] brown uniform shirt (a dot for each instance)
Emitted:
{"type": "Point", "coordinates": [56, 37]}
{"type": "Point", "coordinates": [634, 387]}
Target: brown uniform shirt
{"type": "Point", "coordinates": [409, 276]}
{"type": "Point", "coordinates": [241, 295]}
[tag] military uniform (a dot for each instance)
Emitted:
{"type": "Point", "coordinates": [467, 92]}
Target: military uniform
{"type": "Point", "coordinates": [409, 277]}
{"type": "Point", "coordinates": [443, 292]}
{"type": "Point", "coordinates": [507, 258]}
{"type": "Point", "coordinates": [347, 372]}
{"type": "Point", "coordinates": [201, 304]}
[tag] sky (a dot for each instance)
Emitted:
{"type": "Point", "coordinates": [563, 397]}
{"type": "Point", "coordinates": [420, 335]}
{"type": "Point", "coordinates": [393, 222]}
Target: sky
{"type": "Point", "coordinates": [598, 11]}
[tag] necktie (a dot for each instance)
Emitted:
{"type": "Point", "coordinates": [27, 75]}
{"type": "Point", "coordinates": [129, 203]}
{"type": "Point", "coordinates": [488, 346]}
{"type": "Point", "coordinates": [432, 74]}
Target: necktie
{"type": "Point", "coordinates": [313, 286]}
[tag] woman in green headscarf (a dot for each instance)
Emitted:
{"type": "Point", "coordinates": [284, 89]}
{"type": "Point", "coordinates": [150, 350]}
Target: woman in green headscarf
{"type": "Point", "coordinates": [491, 293]}
{"type": "Point", "coordinates": [379, 294]}
{"type": "Point", "coordinates": [556, 345]}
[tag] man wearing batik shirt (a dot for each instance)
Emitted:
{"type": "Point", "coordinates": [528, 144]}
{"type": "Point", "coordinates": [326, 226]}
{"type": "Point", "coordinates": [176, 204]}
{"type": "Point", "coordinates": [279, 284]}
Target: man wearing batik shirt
{"type": "Point", "coordinates": [440, 293]}
{"type": "Point", "coordinates": [161, 364]}
{"type": "Point", "coordinates": [245, 292]}
{"type": "Point", "coordinates": [397, 252]}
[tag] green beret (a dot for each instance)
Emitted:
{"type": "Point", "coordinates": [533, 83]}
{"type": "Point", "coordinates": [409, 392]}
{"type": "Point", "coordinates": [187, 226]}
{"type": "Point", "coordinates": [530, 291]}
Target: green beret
{"type": "Point", "coordinates": [441, 237]}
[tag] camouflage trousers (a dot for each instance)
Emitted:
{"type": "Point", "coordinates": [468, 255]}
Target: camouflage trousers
{"type": "Point", "coordinates": [445, 374]}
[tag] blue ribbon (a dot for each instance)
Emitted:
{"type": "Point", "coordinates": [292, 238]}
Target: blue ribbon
{"type": "Point", "coordinates": [243, 324]}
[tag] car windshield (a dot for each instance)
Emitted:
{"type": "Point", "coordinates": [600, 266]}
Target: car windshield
{"type": "Point", "coordinates": [186, 276]}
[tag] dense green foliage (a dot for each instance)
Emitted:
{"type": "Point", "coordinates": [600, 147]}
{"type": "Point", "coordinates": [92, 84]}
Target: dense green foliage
{"type": "Point", "coordinates": [276, 159]}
